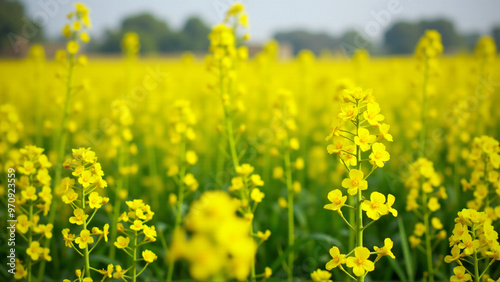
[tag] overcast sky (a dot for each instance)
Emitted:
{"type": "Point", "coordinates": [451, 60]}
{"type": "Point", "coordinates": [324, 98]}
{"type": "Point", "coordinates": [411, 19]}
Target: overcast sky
{"type": "Point", "coordinates": [267, 17]}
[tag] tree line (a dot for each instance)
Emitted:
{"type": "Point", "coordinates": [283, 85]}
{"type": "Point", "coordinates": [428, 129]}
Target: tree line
{"type": "Point", "coordinates": [156, 36]}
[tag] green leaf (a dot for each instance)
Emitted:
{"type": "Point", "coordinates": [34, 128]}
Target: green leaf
{"type": "Point", "coordinates": [397, 268]}
{"type": "Point", "coordinates": [406, 250]}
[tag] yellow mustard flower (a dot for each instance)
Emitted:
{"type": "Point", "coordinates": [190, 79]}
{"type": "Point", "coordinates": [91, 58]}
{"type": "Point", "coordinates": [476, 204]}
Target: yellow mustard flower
{"type": "Point", "coordinates": [364, 139]}
{"type": "Point", "coordinates": [122, 242]}
{"type": "Point", "coordinates": [34, 250]}
{"type": "Point", "coordinates": [337, 200]}
{"type": "Point", "coordinates": [321, 275]}
{"type": "Point", "coordinates": [149, 256]}
{"type": "Point", "coordinates": [379, 155]}
{"type": "Point", "coordinates": [386, 250]}
{"type": "Point", "coordinates": [257, 195]}
{"type": "Point", "coordinates": [354, 182]}
{"type": "Point", "coordinates": [79, 217]}
{"type": "Point", "coordinates": [460, 274]}
{"type": "Point", "coordinates": [337, 258]}
{"type": "Point", "coordinates": [375, 207]}
{"type": "Point", "coordinates": [360, 263]}
{"type": "Point", "coordinates": [95, 201]}
{"type": "Point", "coordinates": [84, 239]}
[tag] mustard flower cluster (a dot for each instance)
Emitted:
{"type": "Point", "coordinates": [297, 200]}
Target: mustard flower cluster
{"type": "Point", "coordinates": [425, 192]}
{"type": "Point", "coordinates": [32, 204]}
{"type": "Point", "coordinates": [428, 49]}
{"type": "Point", "coordinates": [225, 55]}
{"type": "Point", "coordinates": [284, 125]}
{"type": "Point", "coordinates": [180, 160]}
{"type": "Point", "coordinates": [75, 33]}
{"type": "Point", "coordinates": [355, 144]}
{"type": "Point", "coordinates": [475, 242]}
{"type": "Point", "coordinates": [11, 127]}
{"type": "Point", "coordinates": [485, 53]}
{"type": "Point", "coordinates": [81, 193]}
{"type": "Point", "coordinates": [484, 160]}
{"type": "Point", "coordinates": [132, 225]}
{"type": "Point", "coordinates": [215, 240]}
{"type": "Point", "coordinates": [130, 45]}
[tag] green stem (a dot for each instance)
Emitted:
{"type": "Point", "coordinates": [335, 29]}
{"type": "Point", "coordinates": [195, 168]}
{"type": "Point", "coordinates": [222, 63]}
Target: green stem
{"type": "Point", "coordinates": [476, 261]}
{"type": "Point", "coordinates": [60, 159]}
{"type": "Point", "coordinates": [142, 270]}
{"type": "Point", "coordinates": [359, 211]}
{"type": "Point", "coordinates": [134, 268]}
{"type": "Point", "coordinates": [347, 222]}
{"type": "Point", "coordinates": [352, 218]}
{"type": "Point", "coordinates": [38, 110]}
{"type": "Point", "coordinates": [290, 193]}
{"type": "Point", "coordinates": [116, 204]}
{"type": "Point", "coordinates": [180, 201]}
{"type": "Point", "coordinates": [428, 247]}
{"type": "Point", "coordinates": [486, 269]}
{"type": "Point", "coordinates": [421, 145]}
{"type": "Point", "coordinates": [86, 254]}
{"type": "Point", "coordinates": [232, 145]}
{"type": "Point", "coordinates": [30, 239]}
{"type": "Point", "coordinates": [480, 121]}
{"type": "Point", "coordinates": [154, 175]}
{"type": "Point", "coordinates": [456, 174]}
{"type": "Point", "coordinates": [485, 179]}
{"type": "Point", "coordinates": [252, 270]}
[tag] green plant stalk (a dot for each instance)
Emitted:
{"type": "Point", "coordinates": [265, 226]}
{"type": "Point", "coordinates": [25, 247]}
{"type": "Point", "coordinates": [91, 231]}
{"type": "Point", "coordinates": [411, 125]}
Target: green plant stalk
{"type": "Point", "coordinates": [421, 143]}
{"type": "Point", "coordinates": [30, 239]}
{"type": "Point", "coordinates": [352, 218]}
{"type": "Point", "coordinates": [428, 248]}
{"type": "Point", "coordinates": [134, 268]}
{"type": "Point", "coordinates": [180, 200]}
{"type": "Point", "coordinates": [154, 175]}
{"type": "Point", "coordinates": [252, 269]}
{"type": "Point", "coordinates": [229, 122]}
{"type": "Point", "coordinates": [290, 193]}
{"type": "Point", "coordinates": [232, 145]}
{"type": "Point", "coordinates": [359, 211]}
{"type": "Point", "coordinates": [480, 121]}
{"type": "Point", "coordinates": [476, 261]}
{"type": "Point", "coordinates": [60, 158]}
{"type": "Point", "coordinates": [38, 110]}
{"type": "Point", "coordinates": [87, 261]}
{"type": "Point", "coordinates": [486, 181]}
{"type": "Point", "coordinates": [117, 204]}
{"type": "Point", "coordinates": [456, 176]}
{"type": "Point", "coordinates": [234, 156]}
{"type": "Point", "coordinates": [121, 181]}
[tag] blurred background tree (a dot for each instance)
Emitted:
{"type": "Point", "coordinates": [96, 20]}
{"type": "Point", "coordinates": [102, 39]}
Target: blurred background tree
{"type": "Point", "coordinates": [155, 35]}
{"type": "Point", "coordinates": [12, 21]}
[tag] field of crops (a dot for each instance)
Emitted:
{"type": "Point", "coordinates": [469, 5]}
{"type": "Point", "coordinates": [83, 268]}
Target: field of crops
{"type": "Point", "coordinates": [237, 168]}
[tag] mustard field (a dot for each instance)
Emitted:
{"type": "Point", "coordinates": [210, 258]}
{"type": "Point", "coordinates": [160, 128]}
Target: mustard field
{"type": "Point", "coordinates": [232, 167]}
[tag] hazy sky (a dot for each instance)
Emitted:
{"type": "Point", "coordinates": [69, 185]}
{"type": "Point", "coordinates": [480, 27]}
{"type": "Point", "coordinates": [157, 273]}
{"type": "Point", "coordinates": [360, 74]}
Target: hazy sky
{"type": "Point", "coordinates": [266, 17]}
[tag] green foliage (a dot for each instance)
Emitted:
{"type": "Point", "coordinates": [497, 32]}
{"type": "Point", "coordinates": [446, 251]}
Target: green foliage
{"type": "Point", "coordinates": [155, 35]}
{"type": "Point", "coordinates": [12, 22]}
{"type": "Point", "coordinates": [302, 39]}
{"type": "Point", "coordinates": [402, 37]}
{"type": "Point", "coordinates": [495, 33]}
